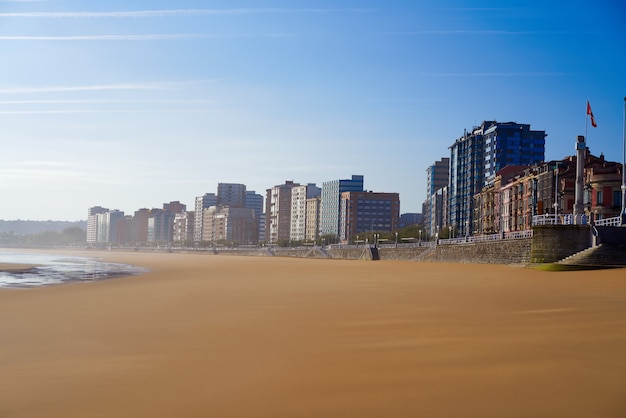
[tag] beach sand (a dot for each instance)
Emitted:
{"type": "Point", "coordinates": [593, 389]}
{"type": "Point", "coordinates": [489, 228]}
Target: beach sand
{"type": "Point", "coordinates": [223, 336]}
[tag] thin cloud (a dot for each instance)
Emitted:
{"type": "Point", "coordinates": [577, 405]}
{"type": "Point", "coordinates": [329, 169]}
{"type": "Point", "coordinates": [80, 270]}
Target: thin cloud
{"type": "Point", "coordinates": [84, 111]}
{"type": "Point", "coordinates": [101, 101]}
{"type": "Point", "coordinates": [500, 74]}
{"type": "Point", "coordinates": [482, 32]}
{"type": "Point", "coordinates": [149, 37]}
{"type": "Point", "coordinates": [99, 87]}
{"type": "Point", "coordinates": [175, 13]}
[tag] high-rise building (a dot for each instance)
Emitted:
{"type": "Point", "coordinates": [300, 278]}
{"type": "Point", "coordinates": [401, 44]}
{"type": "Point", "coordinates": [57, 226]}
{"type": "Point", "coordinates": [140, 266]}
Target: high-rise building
{"type": "Point", "coordinates": [92, 223]}
{"type": "Point", "coordinates": [254, 201]}
{"type": "Point", "coordinates": [174, 207]}
{"type": "Point", "coordinates": [229, 225]}
{"type": "Point", "coordinates": [107, 225]}
{"type": "Point", "coordinates": [478, 155]}
{"type": "Point", "coordinates": [368, 211]}
{"type": "Point", "coordinates": [330, 203]}
{"type": "Point", "coordinates": [140, 226]}
{"type": "Point", "coordinates": [299, 196]}
{"type": "Point", "coordinates": [437, 177]}
{"type": "Point", "coordinates": [278, 212]}
{"type": "Point", "coordinates": [160, 226]}
{"type": "Point", "coordinates": [202, 203]}
{"type": "Point", "coordinates": [312, 219]}
{"type": "Point", "coordinates": [231, 194]}
{"type": "Point", "coordinates": [183, 227]}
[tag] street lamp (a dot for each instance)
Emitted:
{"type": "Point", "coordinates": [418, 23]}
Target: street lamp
{"type": "Point", "coordinates": [396, 240]}
{"type": "Point", "coordinates": [420, 240]}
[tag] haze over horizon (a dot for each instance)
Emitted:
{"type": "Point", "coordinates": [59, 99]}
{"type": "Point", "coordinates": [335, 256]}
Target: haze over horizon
{"type": "Point", "coordinates": [130, 105]}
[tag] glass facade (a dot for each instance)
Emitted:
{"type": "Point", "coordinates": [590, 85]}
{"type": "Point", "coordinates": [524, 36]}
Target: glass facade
{"type": "Point", "coordinates": [330, 204]}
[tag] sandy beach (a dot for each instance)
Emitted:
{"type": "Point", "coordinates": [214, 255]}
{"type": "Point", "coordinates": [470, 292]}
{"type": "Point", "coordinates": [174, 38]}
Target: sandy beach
{"type": "Point", "coordinates": [223, 336]}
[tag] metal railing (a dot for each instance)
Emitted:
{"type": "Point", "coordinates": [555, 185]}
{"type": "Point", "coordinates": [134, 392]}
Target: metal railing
{"type": "Point", "coordinates": [562, 219]}
{"type": "Point", "coordinates": [487, 238]}
{"type": "Point", "coordinates": [616, 221]}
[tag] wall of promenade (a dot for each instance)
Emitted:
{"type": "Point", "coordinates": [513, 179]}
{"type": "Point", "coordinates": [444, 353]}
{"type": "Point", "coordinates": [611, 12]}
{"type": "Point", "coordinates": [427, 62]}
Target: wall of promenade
{"type": "Point", "coordinates": [548, 244]}
{"type": "Point", "coordinates": [493, 252]}
{"type": "Point", "coordinates": [552, 243]}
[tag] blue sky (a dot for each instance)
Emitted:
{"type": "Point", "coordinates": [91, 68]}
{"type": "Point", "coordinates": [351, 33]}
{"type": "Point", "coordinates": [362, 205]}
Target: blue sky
{"type": "Point", "coordinates": [130, 104]}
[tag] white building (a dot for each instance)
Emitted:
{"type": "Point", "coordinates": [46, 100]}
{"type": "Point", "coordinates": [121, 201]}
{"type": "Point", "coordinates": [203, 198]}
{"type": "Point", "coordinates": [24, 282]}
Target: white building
{"type": "Point", "coordinates": [299, 196]}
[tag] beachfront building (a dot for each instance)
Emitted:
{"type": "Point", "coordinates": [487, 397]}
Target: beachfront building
{"type": "Point", "coordinates": [231, 194]}
{"type": "Point", "coordinates": [139, 228]}
{"type": "Point", "coordinates": [367, 212]}
{"type": "Point", "coordinates": [92, 223]}
{"type": "Point", "coordinates": [107, 223]}
{"type": "Point", "coordinates": [183, 227]}
{"type": "Point", "coordinates": [437, 177]}
{"type": "Point", "coordinates": [477, 156]}
{"type": "Point", "coordinates": [160, 227]}
{"type": "Point", "coordinates": [174, 207]}
{"type": "Point", "coordinates": [202, 203]}
{"type": "Point", "coordinates": [225, 225]}
{"type": "Point", "coordinates": [311, 233]}
{"type": "Point", "coordinates": [331, 200]}
{"type": "Point", "coordinates": [299, 196]}
{"type": "Point", "coordinates": [278, 212]}
{"type": "Point", "coordinates": [254, 201]}
{"type": "Point", "coordinates": [519, 193]}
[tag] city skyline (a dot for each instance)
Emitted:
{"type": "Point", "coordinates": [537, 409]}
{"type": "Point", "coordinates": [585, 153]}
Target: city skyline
{"type": "Point", "coordinates": [132, 105]}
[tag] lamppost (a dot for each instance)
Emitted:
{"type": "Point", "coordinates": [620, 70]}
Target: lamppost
{"type": "Point", "coordinates": [556, 193]}
{"type": "Point", "coordinates": [466, 229]}
{"type": "Point", "coordinates": [419, 244]}
{"type": "Point", "coordinates": [396, 240]}
{"type": "Point", "coordinates": [357, 241]}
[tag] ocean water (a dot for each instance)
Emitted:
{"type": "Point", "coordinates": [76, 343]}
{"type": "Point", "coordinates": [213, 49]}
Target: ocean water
{"type": "Point", "coordinates": [57, 269]}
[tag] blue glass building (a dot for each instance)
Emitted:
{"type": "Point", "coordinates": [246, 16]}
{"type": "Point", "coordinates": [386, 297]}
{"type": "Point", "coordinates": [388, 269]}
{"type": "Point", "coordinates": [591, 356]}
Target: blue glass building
{"type": "Point", "coordinates": [477, 156]}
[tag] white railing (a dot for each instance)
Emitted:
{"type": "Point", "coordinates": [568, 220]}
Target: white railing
{"type": "Point", "coordinates": [569, 219]}
{"type": "Point", "coordinates": [616, 221]}
{"type": "Point", "coordinates": [563, 219]}
{"type": "Point", "coordinates": [487, 238]}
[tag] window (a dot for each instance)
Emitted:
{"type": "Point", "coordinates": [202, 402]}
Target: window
{"type": "Point", "coordinates": [599, 200]}
{"type": "Point", "coordinates": [617, 198]}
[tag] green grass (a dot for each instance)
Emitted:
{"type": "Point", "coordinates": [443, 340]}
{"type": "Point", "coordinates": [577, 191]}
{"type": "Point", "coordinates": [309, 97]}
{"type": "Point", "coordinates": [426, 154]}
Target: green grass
{"type": "Point", "coordinates": [566, 267]}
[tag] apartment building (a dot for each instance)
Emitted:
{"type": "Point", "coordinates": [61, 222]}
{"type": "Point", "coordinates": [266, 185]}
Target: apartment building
{"type": "Point", "coordinates": [278, 212]}
{"type": "Point", "coordinates": [331, 200]}
{"type": "Point", "coordinates": [299, 196]}
{"type": "Point", "coordinates": [368, 211]}
{"type": "Point", "coordinates": [477, 156]}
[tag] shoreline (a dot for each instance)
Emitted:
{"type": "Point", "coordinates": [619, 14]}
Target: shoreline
{"type": "Point", "coordinates": [286, 337]}
{"type": "Point", "coordinates": [17, 268]}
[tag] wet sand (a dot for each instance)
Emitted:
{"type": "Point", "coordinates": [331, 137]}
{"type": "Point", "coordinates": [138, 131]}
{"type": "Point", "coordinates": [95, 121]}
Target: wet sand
{"type": "Point", "coordinates": [220, 336]}
{"type": "Point", "coordinates": [15, 268]}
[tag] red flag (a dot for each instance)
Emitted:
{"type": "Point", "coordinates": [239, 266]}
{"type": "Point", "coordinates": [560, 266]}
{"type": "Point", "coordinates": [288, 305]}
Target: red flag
{"type": "Point", "coordinates": [590, 113]}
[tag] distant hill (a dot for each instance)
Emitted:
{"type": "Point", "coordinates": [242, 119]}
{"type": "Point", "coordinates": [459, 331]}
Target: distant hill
{"type": "Point", "coordinates": [20, 227]}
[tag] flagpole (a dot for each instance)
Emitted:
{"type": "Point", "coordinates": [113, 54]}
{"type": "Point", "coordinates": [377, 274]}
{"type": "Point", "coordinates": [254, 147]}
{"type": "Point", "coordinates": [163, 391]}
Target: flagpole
{"type": "Point", "coordinates": [624, 170]}
{"type": "Point", "coordinates": [586, 117]}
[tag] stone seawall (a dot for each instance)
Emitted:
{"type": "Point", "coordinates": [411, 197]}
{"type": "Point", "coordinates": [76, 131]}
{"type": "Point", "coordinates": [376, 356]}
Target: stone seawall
{"type": "Point", "coordinates": [493, 252]}
{"type": "Point", "coordinates": [552, 243]}
{"type": "Point", "coordinates": [548, 244]}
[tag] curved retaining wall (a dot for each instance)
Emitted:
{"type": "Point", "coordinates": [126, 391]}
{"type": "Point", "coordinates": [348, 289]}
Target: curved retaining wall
{"type": "Point", "coordinates": [549, 244]}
